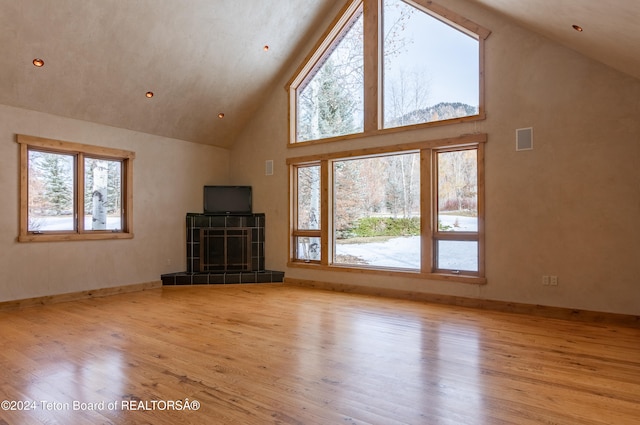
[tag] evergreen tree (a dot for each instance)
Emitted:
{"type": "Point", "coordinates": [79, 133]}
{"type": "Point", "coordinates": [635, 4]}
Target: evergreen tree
{"type": "Point", "coordinates": [114, 185]}
{"type": "Point", "coordinates": [330, 102]}
{"type": "Point", "coordinates": [336, 105]}
{"type": "Point", "coordinates": [57, 173]}
{"type": "Point", "coordinates": [89, 165]}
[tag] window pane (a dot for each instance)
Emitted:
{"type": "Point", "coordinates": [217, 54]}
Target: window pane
{"type": "Point", "coordinates": [50, 191]}
{"type": "Point", "coordinates": [458, 191]}
{"type": "Point", "coordinates": [309, 198]}
{"type": "Point", "coordinates": [331, 101]}
{"type": "Point", "coordinates": [431, 70]}
{"type": "Point", "coordinates": [307, 248]}
{"type": "Point", "coordinates": [457, 255]}
{"type": "Point", "coordinates": [376, 217]}
{"type": "Point", "coordinates": [102, 194]}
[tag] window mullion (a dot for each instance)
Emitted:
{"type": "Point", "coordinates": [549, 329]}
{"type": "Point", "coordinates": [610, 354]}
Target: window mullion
{"type": "Point", "coordinates": [325, 195]}
{"type": "Point", "coordinates": [456, 236]}
{"type": "Point", "coordinates": [307, 233]}
{"type": "Point", "coordinates": [79, 209]}
{"type": "Point", "coordinates": [24, 190]}
{"type": "Point", "coordinates": [426, 211]}
{"type": "Point", "coordinates": [127, 196]}
{"type": "Point", "coordinates": [480, 177]}
{"type": "Point", "coordinates": [372, 61]}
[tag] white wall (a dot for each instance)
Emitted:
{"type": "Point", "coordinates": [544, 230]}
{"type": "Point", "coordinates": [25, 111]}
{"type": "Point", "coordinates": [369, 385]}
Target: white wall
{"type": "Point", "coordinates": [167, 183]}
{"type": "Point", "coordinates": [570, 207]}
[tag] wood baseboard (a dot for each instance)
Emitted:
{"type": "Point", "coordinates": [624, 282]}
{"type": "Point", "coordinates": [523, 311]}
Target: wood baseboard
{"type": "Point", "coordinates": [500, 306]}
{"type": "Point", "coordinates": [72, 296]}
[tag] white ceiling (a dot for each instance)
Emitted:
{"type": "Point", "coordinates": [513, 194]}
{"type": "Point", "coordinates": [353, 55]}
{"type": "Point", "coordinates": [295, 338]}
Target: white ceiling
{"type": "Point", "coordinates": [611, 27]}
{"type": "Point", "coordinates": [203, 57]}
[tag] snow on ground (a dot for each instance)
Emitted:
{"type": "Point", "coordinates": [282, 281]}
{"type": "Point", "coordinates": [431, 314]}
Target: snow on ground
{"type": "Point", "coordinates": [404, 252]}
{"type": "Point", "coordinates": [459, 223]}
{"type": "Point", "coordinates": [48, 223]}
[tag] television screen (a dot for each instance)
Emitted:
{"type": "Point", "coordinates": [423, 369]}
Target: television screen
{"type": "Point", "coordinates": [227, 200]}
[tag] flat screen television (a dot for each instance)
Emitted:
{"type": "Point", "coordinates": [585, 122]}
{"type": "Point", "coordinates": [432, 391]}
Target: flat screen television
{"type": "Point", "coordinates": [228, 200]}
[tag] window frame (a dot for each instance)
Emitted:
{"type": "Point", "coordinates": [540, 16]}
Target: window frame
{"type": "Point", "coordinates": [437, 234]}
{"type": "Point", "coordinates": [373, 76]}
{"type": "Point", "coordinates": [79, 152]}
{"type": "Point", "coordinates": [297, 232]}
{"type": "Point", "coordinates": [428, 206]}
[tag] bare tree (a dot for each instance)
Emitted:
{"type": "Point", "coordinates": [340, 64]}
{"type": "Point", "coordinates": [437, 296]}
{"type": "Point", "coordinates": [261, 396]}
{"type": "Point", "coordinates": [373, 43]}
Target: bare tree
{"type": "Point", "coordinates": [457, 180]}
{"type": "Point", "coordinates": [404, 98]}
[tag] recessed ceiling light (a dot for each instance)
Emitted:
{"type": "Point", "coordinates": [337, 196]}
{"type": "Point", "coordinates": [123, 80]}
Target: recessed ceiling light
{"type": "Point", "coordinates": [149, 94]}
{"type": "Point", "coordinates": [577, 28]}
{"type": "Point", "coordinates": [38, 62]}
{"type": "Point", "coordinates": [220, 115]}
{"type": "Point", "coordinates": [266, 47]}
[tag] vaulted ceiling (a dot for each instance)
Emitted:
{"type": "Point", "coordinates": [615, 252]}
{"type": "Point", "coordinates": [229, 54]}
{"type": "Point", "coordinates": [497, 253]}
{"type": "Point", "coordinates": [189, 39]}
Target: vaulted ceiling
{"type": "Point", "coordinates": [611, 28]}
{"type": "Point", "coordinates": [201, 58]}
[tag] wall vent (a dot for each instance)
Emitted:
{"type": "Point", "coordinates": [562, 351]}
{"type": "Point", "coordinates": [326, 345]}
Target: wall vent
{"type": "Point", "coordinates": [524, 139]}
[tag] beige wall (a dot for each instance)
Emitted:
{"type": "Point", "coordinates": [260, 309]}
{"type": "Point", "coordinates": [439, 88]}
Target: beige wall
{"type": "Point", "coordinates": [168, 179]}
{"type": "Point", "coordinates": [570, 207]}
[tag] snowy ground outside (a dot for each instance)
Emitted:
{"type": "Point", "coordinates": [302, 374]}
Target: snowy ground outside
{"type": "Point", "coordinates": [404, 252]}
{"type": "Point", "coordinates": [65, 222]}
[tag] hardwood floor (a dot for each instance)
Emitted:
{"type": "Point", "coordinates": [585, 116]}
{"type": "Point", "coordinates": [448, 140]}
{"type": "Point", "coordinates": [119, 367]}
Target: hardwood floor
{"type": "Point", "coordinates": [279, 354]}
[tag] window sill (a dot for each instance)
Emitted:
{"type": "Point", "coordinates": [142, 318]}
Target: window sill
{"type": "Point", "coordinates": [74, 237]}
{"type": "Point", "coordinates": [476, 280]}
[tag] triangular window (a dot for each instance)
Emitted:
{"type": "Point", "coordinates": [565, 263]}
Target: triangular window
{"type": "Point", "coordinates": [387, 65]}
{"type": "Point", "coordinates": [330, 100]}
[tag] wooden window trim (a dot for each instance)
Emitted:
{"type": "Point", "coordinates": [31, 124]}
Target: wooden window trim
{"type": "Point", "coordinates": [427, 180]}
{"type": "Point", "coordinates": [459, 141]}
{"type": "Point", "coordinates": [373, 64]}
{"type": "Point", "coordinates": [81, 151]}
{"type": "Point", "coordinates": [477, 236]}
{"type": "Point", "coordinates": [293, 214]}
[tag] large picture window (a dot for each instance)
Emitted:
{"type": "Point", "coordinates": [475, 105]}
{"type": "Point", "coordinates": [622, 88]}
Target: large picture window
{"type": "Point", "coordinates": [415, 209]}
{"type": "Point", "coordinates": [385, 65]}
{"type": "Point", "coordinates": [71, 191]}
{"type": "Point", "coordinates": [376, 211]}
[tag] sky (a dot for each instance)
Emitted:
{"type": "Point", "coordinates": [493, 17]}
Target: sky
{"type": "Point", "coordinates": [445, 57]}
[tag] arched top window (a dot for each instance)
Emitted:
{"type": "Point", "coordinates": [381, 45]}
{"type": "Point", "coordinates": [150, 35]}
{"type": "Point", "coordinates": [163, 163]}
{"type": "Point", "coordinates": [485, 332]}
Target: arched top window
{"type": "Point", "coordinates": [385, 65]}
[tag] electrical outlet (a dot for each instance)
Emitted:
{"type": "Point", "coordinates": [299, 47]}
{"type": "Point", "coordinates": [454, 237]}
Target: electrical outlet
{"type": "Point", "coordinates": [545, 280]}
{"type": "Point", "coordinates": [168, 263]}
{"type": "Point", "coordinates": [553, 280]}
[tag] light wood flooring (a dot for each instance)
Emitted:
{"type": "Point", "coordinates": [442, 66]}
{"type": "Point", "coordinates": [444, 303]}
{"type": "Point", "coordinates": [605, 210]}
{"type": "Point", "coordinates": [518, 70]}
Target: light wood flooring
{"type": "Point", "coordinates": [280, 354]}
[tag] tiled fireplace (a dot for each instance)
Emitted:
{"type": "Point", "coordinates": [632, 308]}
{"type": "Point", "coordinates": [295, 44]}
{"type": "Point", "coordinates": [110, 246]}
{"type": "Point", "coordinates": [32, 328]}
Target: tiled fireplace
{"type": "Point", "coordinates": [225, 243]}
{"type": "Point", "coordinates": [224, 249]}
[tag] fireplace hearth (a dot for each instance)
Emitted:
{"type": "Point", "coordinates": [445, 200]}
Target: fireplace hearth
{"type": "Point", "coordinates": [224, 249]}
